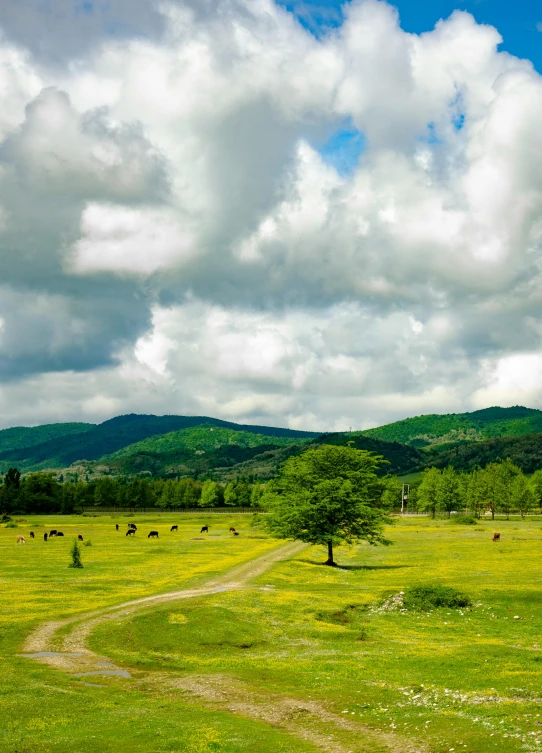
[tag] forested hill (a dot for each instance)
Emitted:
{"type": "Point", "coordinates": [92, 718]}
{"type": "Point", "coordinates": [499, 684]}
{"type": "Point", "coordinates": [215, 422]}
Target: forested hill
{"type": "Point", "coordinates": [525, 452]}
{"type": "Point", "coordinates": [400, 457]}
{"type": "Point", "coordinates": [113, 435]}
{"type": "Point", "coordinates": [25, 436]}
{"type": "Point", "coordinates": [422, 431]}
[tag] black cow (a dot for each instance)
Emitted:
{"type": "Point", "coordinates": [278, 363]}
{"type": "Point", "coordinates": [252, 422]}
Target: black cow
{"type": "Point", "coordinates": [236, 533]}
{"type": "Point", "coordinates": [31, 534]}
{"type": "Point", "coordinates": [45, 537]}
{"type": "Point", "coordinates": [153, 535]}
{"type": "Point", "coordinates": [232, 530]}
{"type": "Point", "coordinates": [117, 526]}
{"type": "Point", "coordinates": [130, 532]}
{"type": "Point", "coordinates": [132, 525]}
{"type": "Point", "coordinates": [174, 528]}
{"type": "Point", "coordinates": [59, 533]}
{"type": "Point", "coordinates": [205, 529]}
{"type": "Point", "coordinates": [79, 537]}
{"type": "Point", "coordinates": [52, 533]}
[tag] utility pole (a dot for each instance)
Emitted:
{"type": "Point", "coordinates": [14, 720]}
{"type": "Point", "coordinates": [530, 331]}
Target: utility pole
{"type": "Point", "coordinates": [405, 491]}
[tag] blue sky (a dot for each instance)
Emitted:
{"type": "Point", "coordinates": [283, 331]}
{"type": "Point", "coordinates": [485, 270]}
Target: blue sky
{"type": "Point", "coordinates": [516, 21]}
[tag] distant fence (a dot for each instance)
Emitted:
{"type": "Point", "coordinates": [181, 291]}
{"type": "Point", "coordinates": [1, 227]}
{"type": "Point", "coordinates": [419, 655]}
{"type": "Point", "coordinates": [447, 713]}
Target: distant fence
{"type": "Point", "coordinates": [178, 511]}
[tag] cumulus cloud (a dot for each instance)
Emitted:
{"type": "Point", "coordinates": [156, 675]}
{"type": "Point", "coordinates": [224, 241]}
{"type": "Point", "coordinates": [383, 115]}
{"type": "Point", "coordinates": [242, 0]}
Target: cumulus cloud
{"type": "Point", "coordinates": [173, 237]}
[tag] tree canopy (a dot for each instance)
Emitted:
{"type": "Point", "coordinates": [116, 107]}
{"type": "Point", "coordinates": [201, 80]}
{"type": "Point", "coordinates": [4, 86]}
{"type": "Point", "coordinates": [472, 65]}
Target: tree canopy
{"type": "Point", "coordinates": [328, 495]}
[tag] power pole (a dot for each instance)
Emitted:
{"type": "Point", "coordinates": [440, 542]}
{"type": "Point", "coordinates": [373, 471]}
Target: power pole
{"type": "Point", "coordinates": [405, 491]}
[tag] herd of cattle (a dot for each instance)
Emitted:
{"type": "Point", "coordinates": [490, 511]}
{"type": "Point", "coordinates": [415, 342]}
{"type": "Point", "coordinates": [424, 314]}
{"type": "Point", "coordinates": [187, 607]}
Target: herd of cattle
{"type": "Point", "coordinates": [132, 528]}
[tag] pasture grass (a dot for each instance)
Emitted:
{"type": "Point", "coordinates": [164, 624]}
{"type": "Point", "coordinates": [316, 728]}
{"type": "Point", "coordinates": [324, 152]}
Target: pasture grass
{"type": "Point", "coordinates": [463, 678]}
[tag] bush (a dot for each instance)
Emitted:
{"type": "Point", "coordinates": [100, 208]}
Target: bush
{"type": "Point", "coordinates": [11, 524]}
{"type": "Point", "coordinates": [426, 598]}
{"type": "Point", "coordinates": [76, 555]}
{"type": "Point", "coordinates": [88, 543]}
{"type": "Point", "coordinates": [464, 520]}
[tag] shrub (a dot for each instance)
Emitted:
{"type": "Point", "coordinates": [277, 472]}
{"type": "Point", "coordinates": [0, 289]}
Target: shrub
{"type": "Point", "coordinates": [464, 520]}
{"type": "Point", "coordinates": [11, 524]}
{"type": "Point", "coordinates": [76, 555]}
{"type": "Point", "coordinates": [426, 598]}
{"type": "Point", "coordinates": [88, 543]}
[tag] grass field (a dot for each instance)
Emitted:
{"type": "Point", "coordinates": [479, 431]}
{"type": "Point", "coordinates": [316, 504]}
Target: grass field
{"type": "Point", "coordinates": [304, 658]}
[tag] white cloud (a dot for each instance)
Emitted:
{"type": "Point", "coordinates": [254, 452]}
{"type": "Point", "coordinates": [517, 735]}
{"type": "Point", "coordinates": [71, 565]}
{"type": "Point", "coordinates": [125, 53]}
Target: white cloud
{"type": "Point", "coordinates": [172, 240]}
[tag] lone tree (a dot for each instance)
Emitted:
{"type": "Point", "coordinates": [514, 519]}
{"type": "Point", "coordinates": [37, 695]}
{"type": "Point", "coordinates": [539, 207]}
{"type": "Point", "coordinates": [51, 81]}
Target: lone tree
{"type": "Point", "coordinates": [328, 495]}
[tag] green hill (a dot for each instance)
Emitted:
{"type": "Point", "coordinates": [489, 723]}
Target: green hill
{"type": "Point", "coordinates": [525, 452]}
{"type": "Point", "coordinates": [433, 429]}
{"type": "Point", "coordinates": [24, 436]}
{"type": "Point", "coordinates": [118, 433]}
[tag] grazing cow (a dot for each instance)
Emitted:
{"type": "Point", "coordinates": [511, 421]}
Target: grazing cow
{"type": "Point", "coordinates": [174, 528]}
{"type": "Point", "coordinates": [132, 525]}
{"type": "Point", "coordinates": [31, 534]}
{"type": "Point", "coordinates": [52, 533]}
{"type": "Point", "coordinates": [20, 540]}
{"type": "Point", "coordinates": [59, 533]}
{"type": "Point", "coordinates": [45, 537]}
{"type": "Point", "coordinates": [130, 532]}
{"type": "Point", "coordinates": [205, 529]}
{"type": "Point", "coordinates": [117, 526]}
{"type": "Point", "coordinates": [79, 537]}
{"type": "Point", "coordinates": [153, 535]}
{"type": "Point", "coordinates": [232, 530]}
{"type": "Point", "coordinates": [236, 533]}
{"type": "Point", "coordinates": [496, 536]}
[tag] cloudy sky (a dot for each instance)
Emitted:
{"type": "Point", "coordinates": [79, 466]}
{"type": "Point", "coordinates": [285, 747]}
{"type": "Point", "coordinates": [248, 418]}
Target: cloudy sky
{"type": "Point", "coordinates": [292, 214]}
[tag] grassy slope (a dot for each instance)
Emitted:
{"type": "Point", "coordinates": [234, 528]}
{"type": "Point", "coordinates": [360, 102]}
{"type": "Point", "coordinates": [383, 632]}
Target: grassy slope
{"type": "Point", "coordinates": [453, 427]}
{"type": "Point", "coordinates": [24, 436]}
{"type": "Point", "coordinates": [117, 433]}
{"type": "Point", "coordinates": [466, 681]}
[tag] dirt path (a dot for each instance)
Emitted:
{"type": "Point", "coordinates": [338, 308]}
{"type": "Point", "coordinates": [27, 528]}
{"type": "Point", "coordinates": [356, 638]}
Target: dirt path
{"type": "Point", "coordinates": [307, 720]}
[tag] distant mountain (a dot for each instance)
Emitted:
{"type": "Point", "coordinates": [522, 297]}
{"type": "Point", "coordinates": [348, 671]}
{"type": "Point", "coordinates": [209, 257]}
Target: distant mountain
{"type": "Point", "coordinates": [434, 429]}
{"type": "Point", "coordinates": [24, 436]}
{"type": "Point", "coordinates": [115, 434]}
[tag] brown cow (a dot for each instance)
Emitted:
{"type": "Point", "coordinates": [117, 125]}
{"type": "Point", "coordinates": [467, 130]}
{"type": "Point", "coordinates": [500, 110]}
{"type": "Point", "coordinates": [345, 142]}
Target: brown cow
{"type": "Point", "coordinates": [496, 536]}
{"type": "Point", "coordinates": [21, 540]}
{"type": "Point", "coordinates": [232, 530]}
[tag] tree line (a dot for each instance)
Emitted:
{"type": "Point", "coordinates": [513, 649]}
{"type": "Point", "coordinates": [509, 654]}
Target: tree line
{"type": "Point", "coordinates": [500, 487]}
{"type": "Point", "coordinates": [43, 493]}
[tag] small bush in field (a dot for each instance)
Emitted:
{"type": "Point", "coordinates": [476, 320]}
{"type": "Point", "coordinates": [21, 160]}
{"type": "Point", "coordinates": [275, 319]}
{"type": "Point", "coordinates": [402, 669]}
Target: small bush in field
{"type": "Point", "coordinates": [464, 520]}
{"type": "Point", "coordinates": [88, 543]}
{"type": "Point", "coordinates": [75, 555]}
{"type": "Point", "coordinates": [426, 598]}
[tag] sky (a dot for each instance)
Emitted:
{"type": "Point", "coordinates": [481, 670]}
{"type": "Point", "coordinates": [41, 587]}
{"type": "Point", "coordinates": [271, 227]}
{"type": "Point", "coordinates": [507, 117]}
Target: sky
{"type": "Point", "coordinates": [294, 214]}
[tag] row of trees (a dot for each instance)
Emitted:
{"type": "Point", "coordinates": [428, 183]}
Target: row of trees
{"type": "Point", "coordinates": [43, 493]}
{"type": "Point", "coordinates": [498, 488]}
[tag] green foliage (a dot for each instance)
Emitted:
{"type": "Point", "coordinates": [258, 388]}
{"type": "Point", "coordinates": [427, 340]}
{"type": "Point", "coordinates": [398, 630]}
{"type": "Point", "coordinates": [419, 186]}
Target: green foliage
{"type": "Point", "coordinates": [75, 554]}
{"type": "Point", "coordinates": [328, 495]}
{"type": "Point", "coordinates": [427, 492]}
{"type": "Point", "coordinates": [426, 598]}
{"type": "Point", "coordinates": [11, 524]}
{"type": "Point", "coordinates": [209, 494]}
{"type": "Point", "coordinates": [399, 458]}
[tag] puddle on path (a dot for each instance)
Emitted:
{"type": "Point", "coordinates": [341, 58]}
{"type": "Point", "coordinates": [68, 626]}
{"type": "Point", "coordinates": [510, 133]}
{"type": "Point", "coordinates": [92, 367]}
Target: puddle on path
{"type": "Point", "coordinates": [109, 672]}
{"type": "Point", "coordinates": [42, 654]}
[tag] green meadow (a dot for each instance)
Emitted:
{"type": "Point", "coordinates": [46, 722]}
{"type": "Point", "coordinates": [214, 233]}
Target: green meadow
{"type": "Point", "coordinates": [299, 658]}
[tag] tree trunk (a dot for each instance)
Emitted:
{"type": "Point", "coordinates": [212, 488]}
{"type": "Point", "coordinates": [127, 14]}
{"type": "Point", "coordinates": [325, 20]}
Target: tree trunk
{"type": "Point", "coordinates": [330, 554]}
